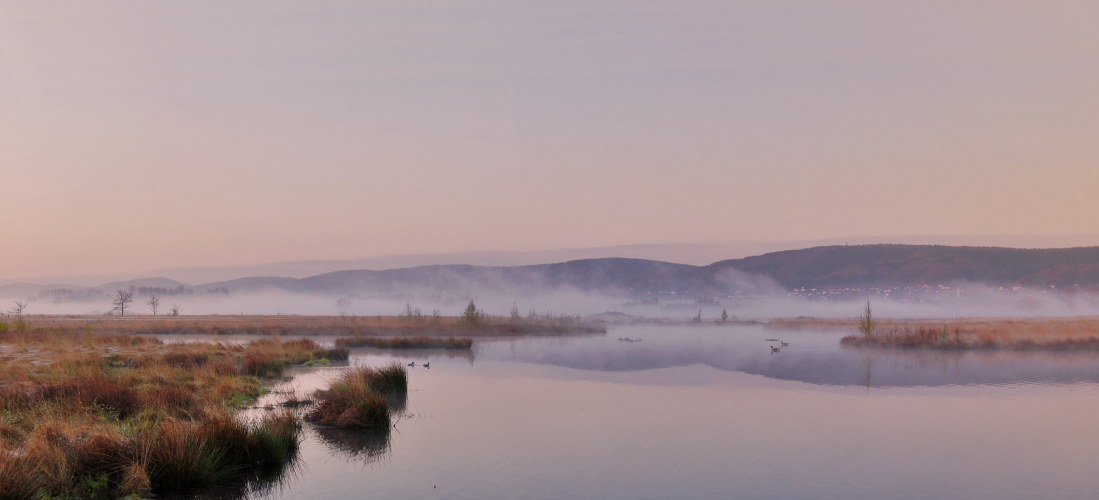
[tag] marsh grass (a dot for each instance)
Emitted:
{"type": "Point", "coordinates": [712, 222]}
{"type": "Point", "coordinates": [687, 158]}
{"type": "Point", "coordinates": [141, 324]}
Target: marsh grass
{"type": "Point", "coordinates": [471, 324]}
{"type": "Point", "coordinates": [407, 342]}
{"type": "Point", "coordinates": [361, 398]}
{"type": "Point", "coordinates": [1059, 334]}
{"type": "Point", "coordinates": [87, 416]}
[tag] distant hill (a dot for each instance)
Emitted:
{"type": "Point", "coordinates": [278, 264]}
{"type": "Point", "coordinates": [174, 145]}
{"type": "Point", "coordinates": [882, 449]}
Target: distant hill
{"type": "Point", "coordinates": [900, 265]}
{"type": "Point", "coordinates": [819, 267]}
{"type": "Point", "coordinates": [600, 275]}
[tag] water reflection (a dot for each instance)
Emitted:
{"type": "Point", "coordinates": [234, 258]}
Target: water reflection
{"type": "Point", "coordinates": [358, 445]}
{"type": "Point", "coordinates": [812, 357]}
{"type": "Point", "coordinates": [595, 417]}
{"type": "Point", "coordinates": [469, 355]}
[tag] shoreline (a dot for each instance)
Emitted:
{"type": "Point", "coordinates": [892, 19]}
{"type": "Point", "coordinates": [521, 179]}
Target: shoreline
{"type": "Point", "coordinates": [291, 325]}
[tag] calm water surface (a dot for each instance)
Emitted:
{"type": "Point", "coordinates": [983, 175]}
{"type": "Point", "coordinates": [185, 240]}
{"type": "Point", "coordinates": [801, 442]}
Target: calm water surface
{"type": "Point", "coordinates": [710, 412]}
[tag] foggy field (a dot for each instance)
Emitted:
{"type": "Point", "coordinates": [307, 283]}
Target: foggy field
{"type": "Point", "coordinates": [422, 326]}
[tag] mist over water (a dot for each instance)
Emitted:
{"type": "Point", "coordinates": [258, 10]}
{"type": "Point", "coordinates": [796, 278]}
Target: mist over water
{"type": "Point", "coordinates": [974, 301]}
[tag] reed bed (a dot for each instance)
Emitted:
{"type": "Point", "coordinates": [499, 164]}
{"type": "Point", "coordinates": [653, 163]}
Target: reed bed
{"type": "Point", "coordinates": [407, 342]}
{"type": "Point", "coordinates": [1050, 334]}
{"type": "Point", "coordinates": [89, 416]}
{"type": "Point", "coordinates": [362, 398]}
{"type": "Point", "coordinates": [310, 325]}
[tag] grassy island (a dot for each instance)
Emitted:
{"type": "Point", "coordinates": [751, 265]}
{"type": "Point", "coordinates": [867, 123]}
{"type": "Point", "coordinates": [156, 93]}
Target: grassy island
{"type": "Point", "coordinates": [1048, 334]}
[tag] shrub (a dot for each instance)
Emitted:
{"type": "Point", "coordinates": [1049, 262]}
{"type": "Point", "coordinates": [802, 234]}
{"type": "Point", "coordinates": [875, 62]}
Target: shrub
{"type": "Point", "coordinates": [866, 322]}
{"type": "Point", "coordinates": [471, 316]}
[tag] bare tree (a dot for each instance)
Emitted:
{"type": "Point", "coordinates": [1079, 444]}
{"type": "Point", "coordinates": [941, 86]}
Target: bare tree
{"type": "Point", "coordinates": [175, 310]}
{"type": "Point", "coordinates": [122, 298]}
{"type": "Point", "coordinates": [343, 305]}
{"type": "Point", "coordinates": [18, 308]}
{"type": "Point", "coordinates": [154, 303]}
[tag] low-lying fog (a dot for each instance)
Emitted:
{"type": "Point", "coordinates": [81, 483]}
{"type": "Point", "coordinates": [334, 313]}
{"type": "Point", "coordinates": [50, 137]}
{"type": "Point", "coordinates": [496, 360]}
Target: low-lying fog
{"type": "Point", "coordinates": [972, 301]}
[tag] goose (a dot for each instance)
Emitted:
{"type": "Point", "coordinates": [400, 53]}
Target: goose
{"type": "Point", "coordinates": [412, 363]}
{"type": "Point", "coordinates": [784, 344]}
{"type": "Point", "coordinates": [427, 365]}
{"type": "Point", "coordinates": [774, 349]}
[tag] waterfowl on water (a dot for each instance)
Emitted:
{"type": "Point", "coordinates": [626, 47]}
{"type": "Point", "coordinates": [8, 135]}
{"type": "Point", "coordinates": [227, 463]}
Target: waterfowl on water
{"type": "Point", "coordinates": [784, 344]}
{"type": "Point", "coordinates": [412, 363]}
{"type": "Point", "coordinates": [774, 349]}
{"type": "Point", "coordinates": [427, 365]}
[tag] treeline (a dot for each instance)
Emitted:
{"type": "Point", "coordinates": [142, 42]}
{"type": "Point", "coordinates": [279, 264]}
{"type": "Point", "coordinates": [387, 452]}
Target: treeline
{"type": "Point", "coordinates": [158, 290]}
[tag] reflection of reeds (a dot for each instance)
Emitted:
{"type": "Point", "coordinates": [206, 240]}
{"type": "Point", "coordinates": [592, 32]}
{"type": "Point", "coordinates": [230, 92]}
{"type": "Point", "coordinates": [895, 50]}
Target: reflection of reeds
{"type": "Point", "coordinates": [361, 398]}
{"type": "Point", "coordinates": [407, 342]}
{"type": "Point", "coordinates": [362, 444]}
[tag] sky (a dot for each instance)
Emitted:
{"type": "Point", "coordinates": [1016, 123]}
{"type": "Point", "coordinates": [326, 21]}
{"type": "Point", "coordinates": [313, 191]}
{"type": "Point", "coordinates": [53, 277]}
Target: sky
{"type": "Point", "coordinates": [145, 135]}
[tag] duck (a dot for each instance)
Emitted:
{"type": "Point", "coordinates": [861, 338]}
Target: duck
{"type": "Point", "coordinates": [412, 363]}
{"type": "Point", "coordinates": [427, 365]}
{"type": "Point", "coordinates": [775, 349]}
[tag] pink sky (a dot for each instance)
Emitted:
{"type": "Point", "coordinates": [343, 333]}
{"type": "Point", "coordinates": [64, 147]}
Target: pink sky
{"type": "Point", "coordinates": [137, 135]}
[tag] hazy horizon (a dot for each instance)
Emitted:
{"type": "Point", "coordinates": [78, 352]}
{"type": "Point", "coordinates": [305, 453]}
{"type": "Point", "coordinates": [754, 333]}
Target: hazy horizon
{"type": "Point", "coordinates": [138, 136]}
{"type": "Point", "coordinates": [693, 254]}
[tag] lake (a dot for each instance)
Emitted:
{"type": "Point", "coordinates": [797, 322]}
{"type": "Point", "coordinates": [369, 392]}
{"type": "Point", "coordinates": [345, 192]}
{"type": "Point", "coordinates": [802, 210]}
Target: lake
{"type": "Point", "coordinates": [711, 412]}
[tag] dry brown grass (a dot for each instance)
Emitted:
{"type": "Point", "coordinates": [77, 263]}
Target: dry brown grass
{"type": "Point", "coordinates": [309, 325]}
{"type": "Point", "coordinates": [362, 398]}
{"type": "Point", "coordinates": [1076, 333]}
{"type": "Point", "coordinates": [92, 416]}
{"type": "Point", "coordinates": [407, 342]}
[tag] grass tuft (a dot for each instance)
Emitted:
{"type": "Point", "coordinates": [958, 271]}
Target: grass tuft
{"type": "Point", "coordinates": [362, 398]}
